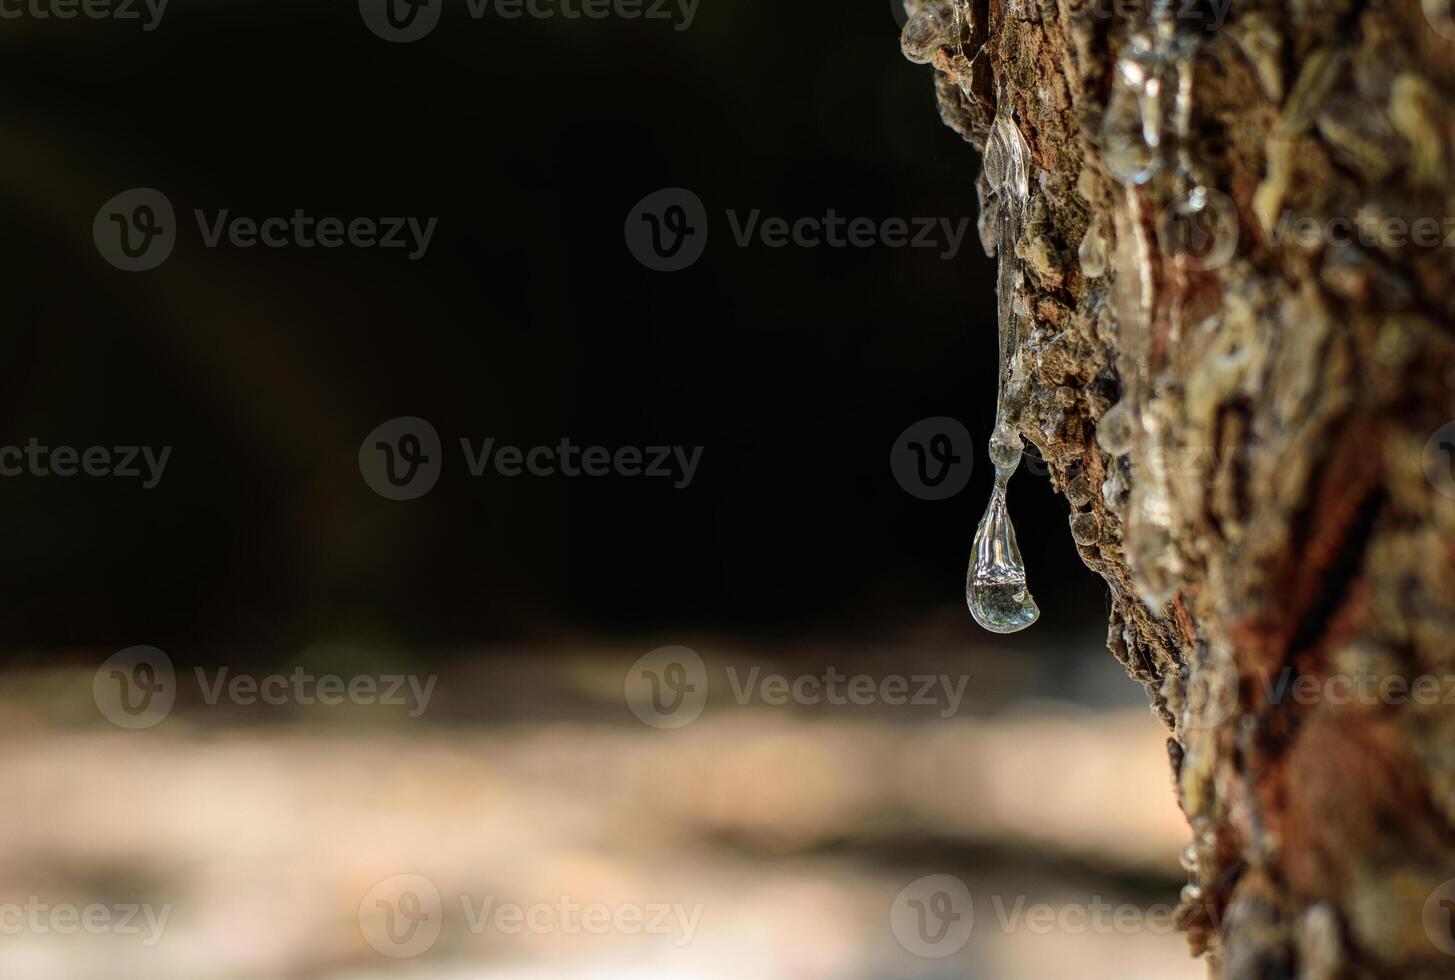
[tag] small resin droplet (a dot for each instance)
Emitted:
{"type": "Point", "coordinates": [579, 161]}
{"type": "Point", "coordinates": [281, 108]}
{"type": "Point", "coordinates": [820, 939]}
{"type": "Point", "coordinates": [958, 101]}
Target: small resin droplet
{"type": "Point", "coordinates": [1114, 491]}
{"type": "Point", "coordinates": [1093, 250]}
{"type": "Point", "coordinates": [1198, 229]}
{"type": "Point", "coordinates": [1016, 181]}
{"type": "Point", "coordinates": [1130, 127]}
{"type": "Point", "coordinates": [995, 589]}
{"type": "Point", "coordinates": [995, 154]}
{"type": "Point", "coordinates": [925, 33]}
{"type": "Point", "coordinates": [1114, 430]}
{"type": "Point", "coordinates": [1188, 858]}
{"type": "Point", "coordinates": [1005, 449]}
{"type": "Point", "coordinates": [1085, 530]}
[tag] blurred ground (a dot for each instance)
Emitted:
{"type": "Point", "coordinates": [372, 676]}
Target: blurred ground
{"type": "Point", "coordinates": [784, 832]}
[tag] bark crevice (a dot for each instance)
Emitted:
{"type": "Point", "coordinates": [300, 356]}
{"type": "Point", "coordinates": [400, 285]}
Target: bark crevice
{"type": "Point", "coordinates": [1277, 516]}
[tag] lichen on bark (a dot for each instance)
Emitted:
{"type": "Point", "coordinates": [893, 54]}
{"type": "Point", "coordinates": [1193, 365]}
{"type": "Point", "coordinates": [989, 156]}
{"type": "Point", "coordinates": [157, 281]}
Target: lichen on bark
{"type": "Point", "coordinates": [1264, 509]}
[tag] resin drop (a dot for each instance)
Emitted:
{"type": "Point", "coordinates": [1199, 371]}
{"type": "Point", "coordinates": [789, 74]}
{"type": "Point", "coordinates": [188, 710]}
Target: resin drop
{"type": "Point", "coordinates": [925, 33]}
{"type": "Point", "coordinates": [1093, 250]}
{"type": "Point", "coordinates": [996, 588]}
{"type": "Point", "coordinates": [1188, 859]}
{"type": "Point", "coordinates": [1198, 228]}
{"type": "Point", "coordinates": [1085, 531]}
{"type": "Point", "coordinates": [1130, 129]}
{"type": "Point", "coordinates": [1015, 179]}
{"type": "Point", "coordinates": [1114, 430]}
{"type": "Point", "coordinates": [994, 162]}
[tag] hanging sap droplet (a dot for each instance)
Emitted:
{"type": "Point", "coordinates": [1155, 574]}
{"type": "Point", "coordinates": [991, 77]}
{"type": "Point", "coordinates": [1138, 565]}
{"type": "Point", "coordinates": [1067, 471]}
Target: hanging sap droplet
{"type": "Point", "coordinates": [995, 152]}
{"type": "Point", "coordinates": [1114, 430]}
{"type": "Point", "coordinates": [1093, 250]}
{"type": "Point", "coordinates": [1005, 448]}
{"type": "Point", "coordinates": [1085, 530]}
{"type": "Point", "coordinates": [1198, 229]}
{"type": "Point", "coordinates": [925, 33]}
{"type": "Point", "coordinates": [964, 71]}
{"type": "Point", "coordinates": [960, 68]}
{"type": "Point", "coordinates": [1127, 156]}
{"type": "Point", "coordinates": [1188, 858]}
{"type": "Point", "coordinates": [1012, 174]}
{"type": "Point", "coordinates": [1129, 128]}
{"type": "Point", "coordinates": [964, 16]}
{"type": "Point", "coordinates": [1114, 492]}
{"type": "Point", "coordinates": [995, 586]}
{"type": "Point", "coordinates": [995, 589]}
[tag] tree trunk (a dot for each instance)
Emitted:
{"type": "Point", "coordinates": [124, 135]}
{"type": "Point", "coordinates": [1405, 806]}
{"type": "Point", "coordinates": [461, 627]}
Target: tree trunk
{"type": "Point", "coordinates": [1272, 502]}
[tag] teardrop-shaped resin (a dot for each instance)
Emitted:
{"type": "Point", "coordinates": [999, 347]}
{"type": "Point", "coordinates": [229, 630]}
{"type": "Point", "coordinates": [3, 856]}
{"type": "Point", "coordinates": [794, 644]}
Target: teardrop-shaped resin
{"type": "Point", "coordinates": [995, 159]}
{"type": "Point", "coordinates": [1092, 252]}
{"type": "Point", "coordinates": [995, 589]}
{"type": "Point", "coordinates": [1130, 126]}
{"type": "Point", "coordinates": [1128, 158]}
{"type": "Point", "coordinates": [995, 586]}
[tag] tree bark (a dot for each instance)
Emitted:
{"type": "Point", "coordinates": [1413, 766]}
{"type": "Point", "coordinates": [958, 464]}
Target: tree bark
{"type": "Point", "coordinates": [1275, 517]}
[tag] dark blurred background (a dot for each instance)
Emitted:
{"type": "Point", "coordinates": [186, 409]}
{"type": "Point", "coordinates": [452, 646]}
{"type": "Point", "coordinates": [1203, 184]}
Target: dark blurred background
{"type": "Point", "coordinates": [801, 830]}
{"type": "Point", "coordinates": [528, 320]}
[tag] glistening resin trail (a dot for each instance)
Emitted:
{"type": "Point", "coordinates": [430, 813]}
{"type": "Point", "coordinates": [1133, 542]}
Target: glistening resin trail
{"type": "Point", "coordinates": [995, 587]}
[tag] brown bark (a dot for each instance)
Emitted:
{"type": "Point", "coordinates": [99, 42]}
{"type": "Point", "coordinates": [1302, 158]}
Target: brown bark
{"type": "Point", "coordinates": [1278, 540]}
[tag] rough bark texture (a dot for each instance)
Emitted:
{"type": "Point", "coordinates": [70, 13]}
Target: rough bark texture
{"type": "Point", "coordinates": [1279, 525]}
